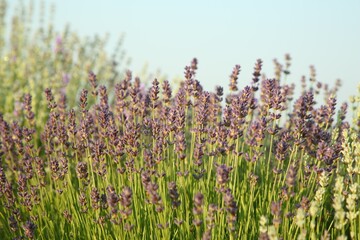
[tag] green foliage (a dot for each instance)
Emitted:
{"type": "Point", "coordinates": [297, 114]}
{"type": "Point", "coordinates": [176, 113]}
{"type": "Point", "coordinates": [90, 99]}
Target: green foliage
{"type": "Point", "coordinates": [110, 159]}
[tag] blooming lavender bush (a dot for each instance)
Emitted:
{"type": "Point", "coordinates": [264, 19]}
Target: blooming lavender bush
{"type": "Point", "coordinates": [155, 163]}
{"type": "Point", "coordinates": [158, 164]}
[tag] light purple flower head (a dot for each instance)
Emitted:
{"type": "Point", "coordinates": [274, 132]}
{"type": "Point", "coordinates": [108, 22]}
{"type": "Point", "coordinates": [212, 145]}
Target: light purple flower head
{"type": "Point", "coordinates": [66, 78]}
{"type": "Point", "coordinates": [58, 40]}
{"type": "Point", "coordinates": [58, 44]}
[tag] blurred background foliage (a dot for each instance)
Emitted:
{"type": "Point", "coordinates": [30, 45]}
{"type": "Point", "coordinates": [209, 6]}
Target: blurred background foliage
{"type": "Point", "coordinates": [35, 56]}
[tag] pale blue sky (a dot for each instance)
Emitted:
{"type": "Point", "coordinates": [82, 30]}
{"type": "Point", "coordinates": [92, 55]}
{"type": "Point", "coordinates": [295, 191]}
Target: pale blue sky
{"type": "Point", "coordinates": [168, 34]}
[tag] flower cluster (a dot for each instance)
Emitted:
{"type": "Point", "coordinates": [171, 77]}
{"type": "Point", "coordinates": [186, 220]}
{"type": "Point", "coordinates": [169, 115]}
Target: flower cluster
{"type": "Point", "coordinates": [132, 162]}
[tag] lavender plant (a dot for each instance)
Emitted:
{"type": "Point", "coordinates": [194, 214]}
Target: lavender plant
{"type": "Point", "coordinates": [119, 161]}
{"type": "Point", "coordinates": [154, 165]}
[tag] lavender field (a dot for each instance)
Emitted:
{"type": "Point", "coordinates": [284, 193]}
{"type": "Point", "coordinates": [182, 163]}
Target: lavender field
{"type": "Point", "coordinates": [90, 151]}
